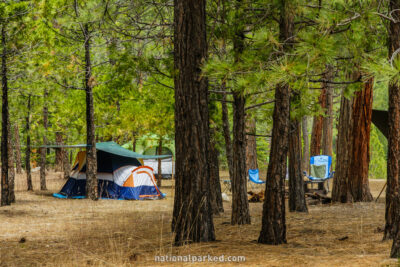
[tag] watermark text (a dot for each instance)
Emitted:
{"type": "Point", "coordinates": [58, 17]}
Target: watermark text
{"type": "Point", "coordinates": [198, 258]}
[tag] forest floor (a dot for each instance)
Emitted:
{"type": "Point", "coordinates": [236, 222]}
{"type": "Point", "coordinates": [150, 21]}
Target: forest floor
{"type": "Point", "coordinates": [40, 230]}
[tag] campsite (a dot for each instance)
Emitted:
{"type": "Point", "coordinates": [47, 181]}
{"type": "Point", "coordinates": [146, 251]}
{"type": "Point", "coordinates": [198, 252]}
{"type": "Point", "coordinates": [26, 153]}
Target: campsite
{"type": "Point", "coordinates": [200, 132]}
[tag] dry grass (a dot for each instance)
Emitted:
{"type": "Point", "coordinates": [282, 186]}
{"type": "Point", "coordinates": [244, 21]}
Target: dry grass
{"type": "Point", "coordinates": [124, 233]}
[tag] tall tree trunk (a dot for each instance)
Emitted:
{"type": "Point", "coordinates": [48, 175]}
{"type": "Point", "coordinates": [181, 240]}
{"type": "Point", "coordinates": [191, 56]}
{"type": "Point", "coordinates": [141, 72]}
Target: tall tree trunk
{"type": "Point", "coordinates": [91, 157]}
{"type": "Point", "coordinates": [393, 165]}
{"type": "Point", "coordinates": [134, 140]}
{"type": "Point", "coordinates": [227, 132]}
{"type": "Point", "coordinates": [43, 150]}
{"type": "Point", "coordinates": [359, 159]}
{"type": "Point", "coordinates": [215, 184]}
{"type": "Point", "coordinates": [66, 165]}
{"type": "Point", "coordinates": [297, 199]}
{"type": "Point", "coordinates": [306, 145]}
{"type": "Point", "coordinates": [11, 170]}
{"type": "Point", "coordinates": [159, 171]}
{"type": "Point", "coordinates": [316, 133]}
{"type": "Point", "coordinates": [273, 228]}
{"type": "Point", "coordinates": [18, 161]}
{"type": "Point", "coordinates": [340, 188]}
{"type": "Point", "coordinates": [251, 145]}
{"type": "Point", "coordinates": [28, 147]}
{"type": "Point", "coordinates": [240, 202]}
{"type": "Point", "coordinates": [59, 152]}
{"type": "Point", "coordinates": [327, 123]}
{"type": "Point", "coordinates": [192, 217]}
{"type": "Point", "coordinates": [5, 122]}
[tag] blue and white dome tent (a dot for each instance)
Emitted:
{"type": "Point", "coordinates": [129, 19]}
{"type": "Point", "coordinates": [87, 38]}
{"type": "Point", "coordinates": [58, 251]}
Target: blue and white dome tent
{"type": "Point", "coordinates": [119, 172]}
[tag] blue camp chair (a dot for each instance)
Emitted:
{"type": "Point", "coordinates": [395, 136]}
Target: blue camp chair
{"type": "Point", "coordinates": [254, 177]}
{"type": "Point", "coordinates": [320, 170]}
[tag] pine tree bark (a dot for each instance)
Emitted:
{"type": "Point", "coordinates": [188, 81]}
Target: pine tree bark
{"type": "Point", "coordinates": [215, 187]}
{"type": "Point", "coordinates": [251, 145]}
{"type": "Point", "coordinates": [66, 165]}
{"type": "Point", "coordinates": [227, 133]}
{"type": "Point", "coordinates": [5, 122]}
{"type": "Point", "coordinates": [273, 228]}
{"type": "Point", "coordinates": [91, 156]}
{"type": "Point", "coordinates": [240, 202]}
{"type": "Point", "coordinates": [18, 161]}
{"type": "Point", "coordinates": [11, 170]}
{"type": "Point", "coordinates": [43, 150]}
{"type": "Point", "coordinates": [28, 147]}
{"type": "Point", "coordinates": [59, 152]}
{"type": "Point", "coordinates": [316, 133]}
{"type": "Point", "coordinates": [327, 122]}
{"type": "Point", "coordinates": [340, 189]}
{"type": "Point", "coordinates": [306, 146]}
{"type": "Point", "coordinates": [159, 174]}
{"type": "Point", "coordinates": [134, 140]}
{"type": "Point", "coordinates": [359, 159]}
{"type": "Point", "coordinates": [393, 164]}
{"type": "Point", "coordinates": [297, 199]}
{"type": "Point", "coordinates": [192, 216]}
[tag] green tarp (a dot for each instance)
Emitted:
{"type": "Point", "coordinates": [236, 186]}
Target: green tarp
{"type": "Point", "coordinates": [113, 148]}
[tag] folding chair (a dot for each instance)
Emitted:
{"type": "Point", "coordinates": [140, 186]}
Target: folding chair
{"type": "Point", "coordinates": [320, 170]}
{"type": "Point", "coordinates": [226, 186]}
{"type": "Point", "coordinates": [254, 178]}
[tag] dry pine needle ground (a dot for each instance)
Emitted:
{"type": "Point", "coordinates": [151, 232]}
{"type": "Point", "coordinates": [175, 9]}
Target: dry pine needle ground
{"type": "Point", "coordinates": [40, 230]}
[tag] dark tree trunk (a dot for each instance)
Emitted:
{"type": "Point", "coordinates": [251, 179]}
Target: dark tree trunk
{"type": "Point", "coordinates": [28, 147]}
{"type": "Point", "coordinates": [327, 123]}
{"type": "Point", "coordinates": [215, 184]}
{"type": "Point", "coordinates": [306, 146]}
{"type": "Point", "coordinates": [251, 145]}
{"type": "Point", "coordinates": [359, 158]}
{"type": "Point", "coordinates": [340, 188]}
{"type": "Point", "coordinates": [316, 133]}
{"type": "Point", "coordinates": [66, 165]}
{"type": "Point", "coordinates": [18, 161]}
{"type": "Point", "coordinates": [273, 228]}
{"type": "Point", "coordinates": [192, 217]}
{"type": "Point", "coordinates": [159, 171]}
{"type": "Point", "coordinates": [227, 133]}
{"type": "Point", "coordinates": [392, 215]}
{"type": "Point", "coordinates": [134, 140]}
{"type": "Point", "coordinates": [59, 152]}
{"type": "Point", "coordinates": [11, 170]}
{"type": "Point", "coordinates": [44, 149]}
{"type": "Point", "coordinates": [240, 202]}
{"type": "Point", "coordinates": [71, 158]}
{"type": "Point", "coordinates": [91, 161]}
{"type": "Point", "coordinates": [5, 123]}
{"type": "Point", "coordinates": [297, 200]}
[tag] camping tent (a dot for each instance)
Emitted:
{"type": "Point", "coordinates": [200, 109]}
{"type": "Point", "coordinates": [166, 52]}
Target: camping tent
{"type": "Point", "coordinates": [167, 164]}
{"type": "Point", "coordinates": [119, 172]}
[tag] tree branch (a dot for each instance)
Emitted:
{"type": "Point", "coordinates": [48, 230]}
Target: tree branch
{"type": "Point", "coordinates": [260, 104]}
